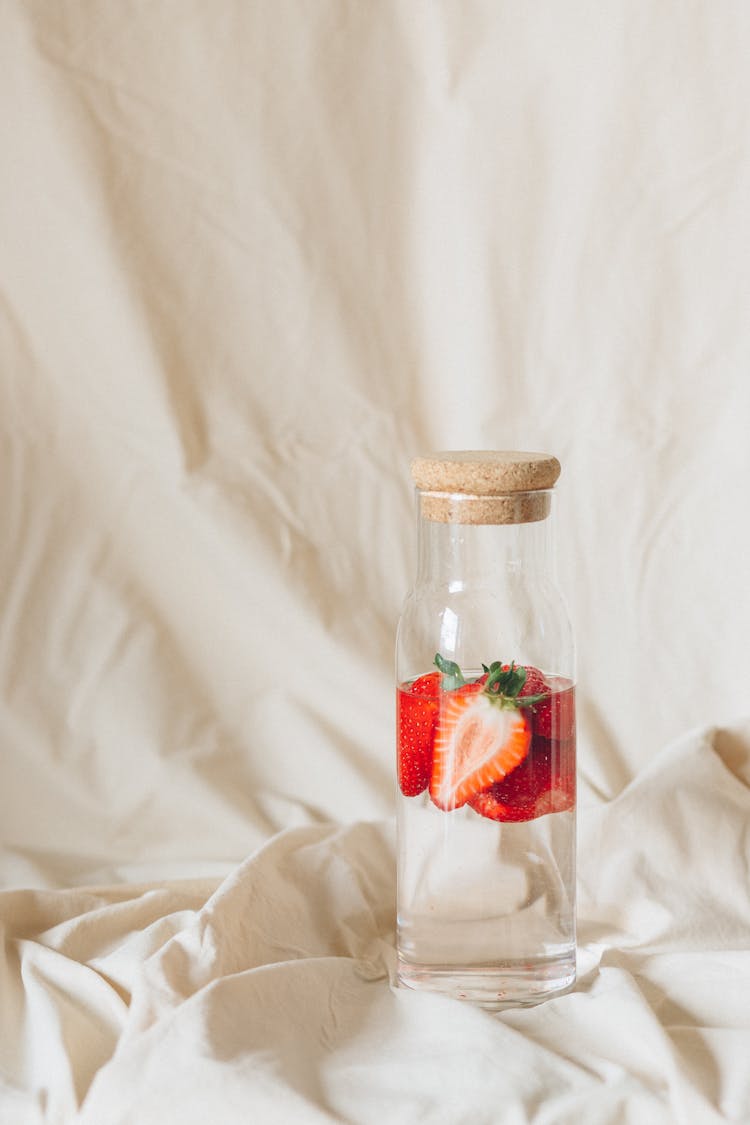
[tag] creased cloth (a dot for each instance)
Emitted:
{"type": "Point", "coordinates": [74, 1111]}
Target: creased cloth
{"type": "Point", "coordinates": [270, 995]}
{"type": "Point", "coordinates": [254, 256]}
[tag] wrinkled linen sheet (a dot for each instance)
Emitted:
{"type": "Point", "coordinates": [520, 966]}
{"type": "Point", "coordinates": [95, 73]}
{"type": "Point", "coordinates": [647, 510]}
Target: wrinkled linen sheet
{"type": "Point", "coordinates": [270, 996]}
{"type": "Point", "coordinates": [253, 257]}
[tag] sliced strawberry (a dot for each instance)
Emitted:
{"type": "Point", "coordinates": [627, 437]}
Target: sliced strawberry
{"type": "Point", "coordinates": [473, 687]}
{"type": "Point", "coordinates": [489, 805]}
{"type": "Point", "coordinates": [417, 706]}
{"type": "Point", "coordinates": [479, 740]}
{"type": "Point", "coordinates": [553, 800]}
{"type": "Point", "coordinates": [494, 742]}
{"type": "Point", "coordinates": [416, 717]}
{"type": "Point", "coordinates": [544, 782]}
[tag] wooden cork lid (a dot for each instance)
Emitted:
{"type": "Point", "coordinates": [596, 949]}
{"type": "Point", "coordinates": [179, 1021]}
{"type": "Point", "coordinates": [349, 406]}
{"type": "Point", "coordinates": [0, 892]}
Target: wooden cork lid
{"type": "Point", "coordinates": [483, 486]}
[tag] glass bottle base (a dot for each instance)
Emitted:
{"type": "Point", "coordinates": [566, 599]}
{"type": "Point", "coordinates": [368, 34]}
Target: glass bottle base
{"type": "Point", "coordinates": [518, 984]}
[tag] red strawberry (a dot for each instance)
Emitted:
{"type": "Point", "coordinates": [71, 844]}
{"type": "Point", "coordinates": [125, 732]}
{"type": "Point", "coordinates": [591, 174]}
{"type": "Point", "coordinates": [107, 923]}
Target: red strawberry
{"type": "Point", "coordinates": [428, 684]}
{"type": "Point", "coordinates": [535, 683]}
{"type": "Point", "coordinates": [555, 717]}
{"type": "Point", "coordinates": [481, 736]}
{"type": "Point", "coordinates": [489, 805]}
{"type": "Point", "coordinates": [416, 717]}
{"type": "Point", "coordinates": [544, 782]}
{"type": "Point", "coordinates": [472, 686]}
{"type": "Point", "coordinates": [494, 742]}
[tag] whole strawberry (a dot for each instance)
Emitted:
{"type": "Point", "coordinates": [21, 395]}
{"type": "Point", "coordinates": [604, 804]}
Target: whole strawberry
{"type": "Point", "coordinates": [535, 683]}
{"type": "Point", "coordinates": [555, 716]}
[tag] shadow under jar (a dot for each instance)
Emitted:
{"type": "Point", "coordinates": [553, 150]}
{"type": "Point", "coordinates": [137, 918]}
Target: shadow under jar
{"type": "Point", "coordinates": [486, 737]}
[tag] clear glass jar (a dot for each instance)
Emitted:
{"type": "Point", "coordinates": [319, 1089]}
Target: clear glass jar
{"type": "Point", "coordinates": [485, 667]}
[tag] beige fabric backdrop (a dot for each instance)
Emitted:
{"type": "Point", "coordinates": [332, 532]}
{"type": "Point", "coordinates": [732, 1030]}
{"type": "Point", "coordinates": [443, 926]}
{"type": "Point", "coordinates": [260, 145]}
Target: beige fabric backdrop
{"type": "Point", "coordinates": [254, 256]}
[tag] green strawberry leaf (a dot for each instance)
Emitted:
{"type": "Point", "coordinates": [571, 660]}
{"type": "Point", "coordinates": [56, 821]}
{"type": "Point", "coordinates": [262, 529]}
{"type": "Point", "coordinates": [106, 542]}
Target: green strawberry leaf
{"type": "Point", "coordinates": [506, 681]}
{"type": "Point", "coordinates": [452, 676]}
{"type": "Point", "coordinates": [504, 684]}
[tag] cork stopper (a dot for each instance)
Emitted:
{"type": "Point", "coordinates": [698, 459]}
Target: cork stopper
{"type": "Point", "coordinates": [482, 486]}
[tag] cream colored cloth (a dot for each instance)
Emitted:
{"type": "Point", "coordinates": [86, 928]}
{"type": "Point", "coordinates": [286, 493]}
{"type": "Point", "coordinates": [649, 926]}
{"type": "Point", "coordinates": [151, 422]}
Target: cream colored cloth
{"type": "Point", "coordinates": [270, 996]}
{"type": "Point", "coordinates": [254, 255]}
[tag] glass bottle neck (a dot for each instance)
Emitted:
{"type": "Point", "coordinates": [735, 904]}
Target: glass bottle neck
{"type": "Point", "coordinates": [460, 553]}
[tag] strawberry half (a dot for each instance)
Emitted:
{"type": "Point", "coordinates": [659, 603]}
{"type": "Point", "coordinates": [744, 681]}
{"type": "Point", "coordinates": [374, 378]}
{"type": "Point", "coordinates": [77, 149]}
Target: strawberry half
{"type": "Point", "coordinates": [481, 736]}
{"type": "Point", "coordinates": [544, 782]}
{"type": "Point", "coordinates": [489, 805]}
{"type": "Point", "coordinates": [417, 705]}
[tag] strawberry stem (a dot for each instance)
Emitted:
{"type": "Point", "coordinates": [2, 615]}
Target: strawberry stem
{"type": "Point", "coordinates": [504, 683]}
